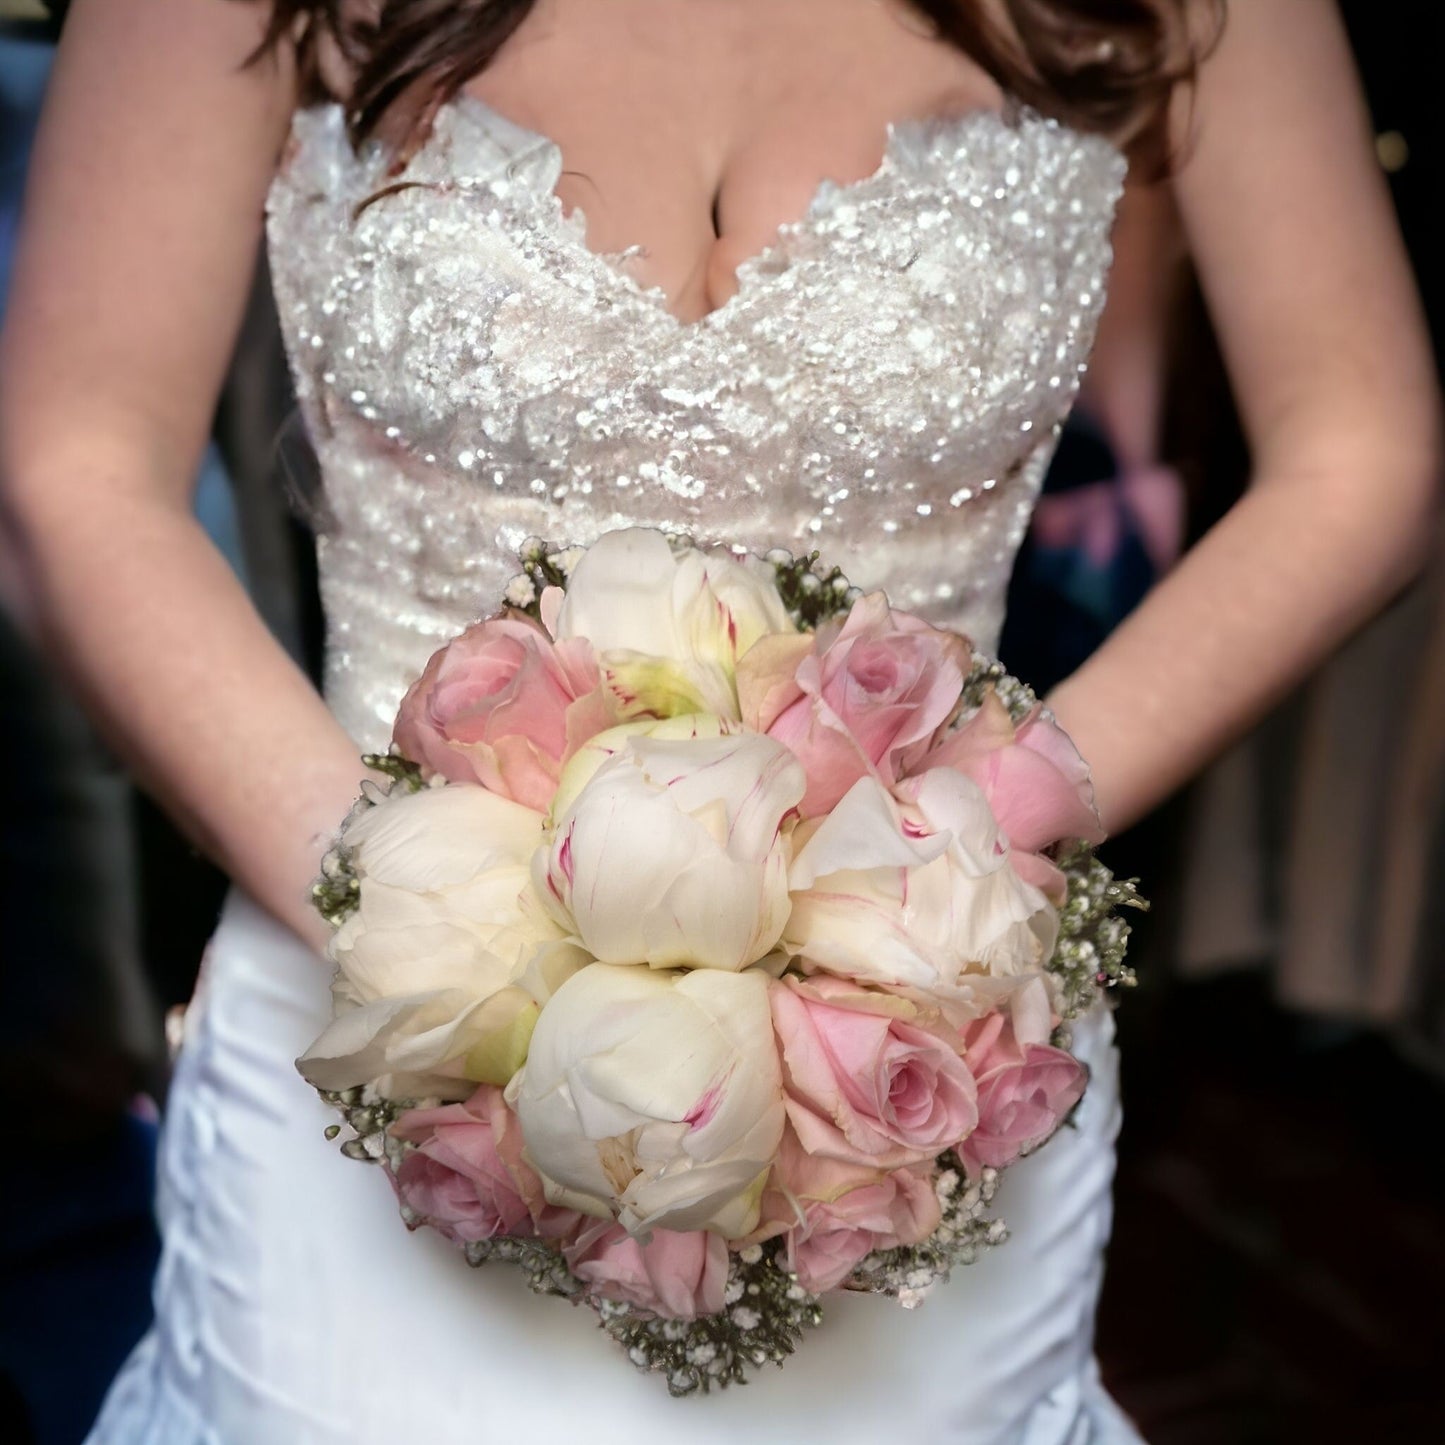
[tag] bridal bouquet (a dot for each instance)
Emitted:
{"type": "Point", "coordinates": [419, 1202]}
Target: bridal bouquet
{"type": "Point", "coordinates": [713, 947]}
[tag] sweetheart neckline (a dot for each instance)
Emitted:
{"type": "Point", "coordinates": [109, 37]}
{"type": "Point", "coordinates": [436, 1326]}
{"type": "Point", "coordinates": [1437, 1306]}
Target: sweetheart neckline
{"type": "Point", "coordinates": [755, 270]}
{"type": "Point", "coordinates": [574, 221]}
{"type": "Point", "coordinates": [459, 121]}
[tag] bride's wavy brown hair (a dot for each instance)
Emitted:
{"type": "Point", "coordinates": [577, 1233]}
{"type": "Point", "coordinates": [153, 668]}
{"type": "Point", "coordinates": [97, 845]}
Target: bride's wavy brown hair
{"type": "Point", "coordinates": [1101, 65]}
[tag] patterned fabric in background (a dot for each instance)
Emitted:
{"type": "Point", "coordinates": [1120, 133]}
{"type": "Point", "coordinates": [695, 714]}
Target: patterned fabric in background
{"type": "Point", "coordinates": [1099, 541]}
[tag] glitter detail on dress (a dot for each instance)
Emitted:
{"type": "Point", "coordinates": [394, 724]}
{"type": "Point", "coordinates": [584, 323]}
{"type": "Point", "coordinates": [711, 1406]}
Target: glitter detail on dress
{"type": "Point", "coordinates": [886, 384]}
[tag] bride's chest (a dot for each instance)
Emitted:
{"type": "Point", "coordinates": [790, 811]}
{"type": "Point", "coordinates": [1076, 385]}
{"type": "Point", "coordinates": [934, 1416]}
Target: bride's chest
{"type": "Point", "coordinates": [940, 309]}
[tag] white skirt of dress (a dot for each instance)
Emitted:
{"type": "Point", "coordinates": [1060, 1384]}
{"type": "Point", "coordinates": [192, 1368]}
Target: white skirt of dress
{"type": "Point", "coordinates": [293, 1307]}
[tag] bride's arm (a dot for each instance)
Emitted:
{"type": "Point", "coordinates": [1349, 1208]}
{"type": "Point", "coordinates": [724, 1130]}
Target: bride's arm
{"type": "Point", "coordinates": [141, 226]}
{"type": "Point", "coordinates": [1291, 228]}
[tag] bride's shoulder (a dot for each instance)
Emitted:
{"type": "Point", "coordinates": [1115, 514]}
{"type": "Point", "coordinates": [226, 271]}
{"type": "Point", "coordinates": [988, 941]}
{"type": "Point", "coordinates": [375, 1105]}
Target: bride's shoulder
{"type": "Point", "coordinates": [143, 212]}
{"type": "Point", "coordinates": [170, 75]}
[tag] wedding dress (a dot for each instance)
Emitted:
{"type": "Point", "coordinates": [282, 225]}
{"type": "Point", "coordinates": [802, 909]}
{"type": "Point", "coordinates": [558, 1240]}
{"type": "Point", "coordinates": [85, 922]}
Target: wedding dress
{"type": "Point", "coordinates": [885, 386]}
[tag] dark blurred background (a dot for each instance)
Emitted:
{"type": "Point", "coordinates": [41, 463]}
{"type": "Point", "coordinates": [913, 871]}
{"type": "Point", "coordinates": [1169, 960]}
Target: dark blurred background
{"type": "Point", "coordinates": [1278, 1267]}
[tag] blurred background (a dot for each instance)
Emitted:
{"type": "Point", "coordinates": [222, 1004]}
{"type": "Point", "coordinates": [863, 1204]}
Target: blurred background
{"type": "Point", "coordinates": [1278, 1266]}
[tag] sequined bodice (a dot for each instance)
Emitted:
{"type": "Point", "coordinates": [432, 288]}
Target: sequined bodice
{"type": "Point", "coordinates": [885, 386]}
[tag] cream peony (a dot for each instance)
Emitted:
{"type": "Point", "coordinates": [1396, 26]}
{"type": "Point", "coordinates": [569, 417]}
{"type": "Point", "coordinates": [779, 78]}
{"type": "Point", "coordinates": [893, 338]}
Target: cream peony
{"type": "Point", "coordinates": [673, 852]}
{"type": "Point", "coordinates": [668, 627]}
{"type": "Point", "coordinates": [654, 1097]}
{"type": "Point", "coordinates": [441, 969]}
{"type": "Point", "coordinates": [914, 888]}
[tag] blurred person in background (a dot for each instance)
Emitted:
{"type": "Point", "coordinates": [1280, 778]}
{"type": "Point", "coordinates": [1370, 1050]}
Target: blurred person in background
{"type": "Point", "coordinates": [1148, 708]}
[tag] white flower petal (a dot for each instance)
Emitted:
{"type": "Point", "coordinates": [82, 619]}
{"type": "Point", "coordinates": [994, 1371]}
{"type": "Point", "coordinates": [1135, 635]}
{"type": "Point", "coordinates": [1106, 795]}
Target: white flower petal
{"type": "Point", "coordinates": [658, 1093]}
{"type": "Point", "coordinates": [673, 852]}
{"type": "Point", "coordinates": [863, 831]}
{"type": "Point", "coordinates": [669, 626]}
{"type": "Point", "coordinates": [401, 1044]}
{"type": "Point", "coordinates": [915, 891]}
{"type": "Point", "coordinates": [619, 596]}
{"type": "Point", "coordinates": [439, 837]}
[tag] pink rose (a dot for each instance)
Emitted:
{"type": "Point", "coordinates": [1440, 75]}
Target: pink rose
{"type": "Point", "coordinates": [1037, 785]}
{"type": "Point", "coordinates": [1025, 1091]}
{"type": "Point", "coordinates": [504, 706]}
{"type": "Point", "coordinates": [676, 1275]}
{"type": "Point", "coordinates": [833, 1215]}
{"type": "Point", "coordinates": [466, 1176]}
{"type": "Point", "coordinates": [864, 1083]}
{"type": "Point", "coordinates": [851, 698]}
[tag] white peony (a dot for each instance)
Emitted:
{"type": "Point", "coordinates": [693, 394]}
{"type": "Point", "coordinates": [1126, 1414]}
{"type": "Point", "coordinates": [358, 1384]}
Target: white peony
{"type": "Point", "coordinates": [668, 627]}
{"type": "Point", "coordinates": [915, 888]}
{"type": "Point", "coordinates": [673, 851]}
{"type": "Point", "coordinates": [441, 969]}
{"type": "Point", "coordinates": [654, 1097]}
{"type": "Point", "coordinates": [607, 744]}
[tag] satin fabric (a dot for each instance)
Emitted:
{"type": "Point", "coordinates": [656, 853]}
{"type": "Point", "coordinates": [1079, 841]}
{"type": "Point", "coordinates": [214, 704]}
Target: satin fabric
{"type": "Point", "coordinates": [293, 1308]}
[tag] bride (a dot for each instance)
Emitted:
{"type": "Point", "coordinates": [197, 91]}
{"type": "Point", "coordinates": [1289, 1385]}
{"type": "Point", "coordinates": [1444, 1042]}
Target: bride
{"type": "Point", "coordinates": [780, 272]}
